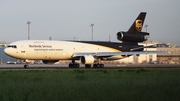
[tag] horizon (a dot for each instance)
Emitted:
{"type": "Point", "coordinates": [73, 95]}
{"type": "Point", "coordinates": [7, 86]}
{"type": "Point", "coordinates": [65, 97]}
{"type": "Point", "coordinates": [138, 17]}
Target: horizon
{"type": "Point", "coordinates": [65, 20]}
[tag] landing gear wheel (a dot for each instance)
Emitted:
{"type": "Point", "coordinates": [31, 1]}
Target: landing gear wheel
{"type": "Point", "coordinates": [98, 65]}
{"type": "Point", "coordinates": [74, 65]}
{"type": "Point", "coordinates": [26, 66]}
{"type": "Point", "coordinates": [70, 65]}
{"type": "Point", "coordinates": [95, 66]}
{"type": "Point", "coordinates": [88, 65]}
{"type": "Point", "coordinates": [77, 65]}
{"type": "Point", "coordinates": [101, 65]}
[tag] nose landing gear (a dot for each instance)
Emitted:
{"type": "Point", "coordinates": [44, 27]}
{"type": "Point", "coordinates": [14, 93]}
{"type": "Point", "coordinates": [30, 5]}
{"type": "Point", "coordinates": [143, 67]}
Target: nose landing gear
{"type": "Point", "coordinates": [26, 65]}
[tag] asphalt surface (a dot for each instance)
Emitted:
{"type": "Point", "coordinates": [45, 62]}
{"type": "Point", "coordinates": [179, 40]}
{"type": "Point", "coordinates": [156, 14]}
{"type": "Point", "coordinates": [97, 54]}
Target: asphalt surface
{"type": "Point", "coordinates": [107, 66]}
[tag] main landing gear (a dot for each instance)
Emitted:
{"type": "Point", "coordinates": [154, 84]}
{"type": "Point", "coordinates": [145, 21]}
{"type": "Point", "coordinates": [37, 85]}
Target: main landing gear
{"type": "Point", "coordinates": [95, 65]}
{"type": "Point", "coordinates": [98, 64]}
{"type": "Point", "coordinates": [26, 65]}
{"type": "Point", "coordinates": [74, 65]}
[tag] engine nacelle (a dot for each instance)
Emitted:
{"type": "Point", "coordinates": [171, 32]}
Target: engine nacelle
{"type": "Point", "coordinates": [87, 59]}
{"type": "Point", "coordinates": [49, 61]}
{"type": "Point", "coordinates": [132, 37]}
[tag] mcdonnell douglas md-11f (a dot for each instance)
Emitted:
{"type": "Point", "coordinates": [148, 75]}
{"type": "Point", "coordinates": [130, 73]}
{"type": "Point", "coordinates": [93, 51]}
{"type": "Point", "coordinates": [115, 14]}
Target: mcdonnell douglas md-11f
{"type": "Point", "coordinates": [88, 52]}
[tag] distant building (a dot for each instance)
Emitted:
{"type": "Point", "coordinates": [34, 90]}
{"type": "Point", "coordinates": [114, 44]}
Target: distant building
{"type": "Point", "coordinates": [3, 44]}
{"type": "Point", "coordinates": [143, 58]}
{"type": "Point", "coordinates": [169, 57]}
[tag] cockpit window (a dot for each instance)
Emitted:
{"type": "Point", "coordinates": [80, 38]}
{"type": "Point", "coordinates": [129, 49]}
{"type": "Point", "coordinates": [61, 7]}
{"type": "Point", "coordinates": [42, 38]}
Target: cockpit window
{"type": "Point", "coordinates": [12, 46]}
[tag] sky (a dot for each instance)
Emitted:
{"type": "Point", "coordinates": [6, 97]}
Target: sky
{"type": "Point", "coordinates": [71, 19]}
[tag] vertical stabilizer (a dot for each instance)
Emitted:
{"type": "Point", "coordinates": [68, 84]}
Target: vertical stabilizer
{"type": "Point", "coordinates": [138, 23]}
{"type": "Point", "coordinates": [134, 34]}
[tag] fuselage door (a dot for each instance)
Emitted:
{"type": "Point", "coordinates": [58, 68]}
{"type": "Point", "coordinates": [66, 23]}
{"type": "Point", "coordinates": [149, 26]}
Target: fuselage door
{"type": "Point", "coordinates": [22, 51]}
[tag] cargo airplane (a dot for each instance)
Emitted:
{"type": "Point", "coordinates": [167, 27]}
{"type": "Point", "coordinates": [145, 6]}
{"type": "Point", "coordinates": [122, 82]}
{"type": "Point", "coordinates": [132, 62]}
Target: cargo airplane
{"type": "Point", "coordinates": [88, 52]}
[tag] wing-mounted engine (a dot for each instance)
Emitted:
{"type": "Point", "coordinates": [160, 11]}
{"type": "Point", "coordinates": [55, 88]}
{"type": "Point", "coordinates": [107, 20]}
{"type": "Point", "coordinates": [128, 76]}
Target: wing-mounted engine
{"type": "Point", "coordinates": [49, 61]}
{"type": "Point", "coordinates": [132, 37]}
{"type": "Point", "coordinates": [87, 59]}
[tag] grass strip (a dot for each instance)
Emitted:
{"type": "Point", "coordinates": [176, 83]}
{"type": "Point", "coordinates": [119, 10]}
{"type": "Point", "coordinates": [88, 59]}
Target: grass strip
{"type": "Point", "coordinates": [88, 85]}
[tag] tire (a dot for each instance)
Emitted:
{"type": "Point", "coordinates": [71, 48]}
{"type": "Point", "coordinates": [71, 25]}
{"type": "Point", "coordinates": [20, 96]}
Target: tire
{"type": "Point", "coordinates": [98, 65]}
{"type": "Point", "coordinates": [88, 65]}
{"type": "Point", "coordinates": [94, 65]}
{"type": "Point", "coordinates": [70, 65]}
{"type": "Point", "coordinates": [101, 65]}
{"type": "Point", "coordinates": [77, 65]}
{"type": "Point", "coordinates": [26, 66]}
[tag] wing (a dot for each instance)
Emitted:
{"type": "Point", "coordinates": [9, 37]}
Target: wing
{"type": "Point", "coordinates": [109, 54]}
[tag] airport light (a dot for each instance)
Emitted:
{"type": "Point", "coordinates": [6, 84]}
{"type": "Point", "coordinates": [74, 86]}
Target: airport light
{"type": "Point", "coordinates": [146, 43]}
{"type": "Point", "coordinates": [92, 30]}
{"type": "Point", "coordinates": [146, 27]}
{"type": "Point", "coordinates": [28, 23]}
{"type": "Point", "coordinates": [109, 40]}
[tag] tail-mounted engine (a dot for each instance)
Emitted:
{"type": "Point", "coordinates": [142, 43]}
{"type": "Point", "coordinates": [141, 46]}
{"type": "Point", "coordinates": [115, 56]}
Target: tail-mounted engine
{"type": "Point", "coordinates": [132, 37]}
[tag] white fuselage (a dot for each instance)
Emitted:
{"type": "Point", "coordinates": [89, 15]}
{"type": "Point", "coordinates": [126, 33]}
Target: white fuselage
{"type": "Point", "coordinates": [51, 50]}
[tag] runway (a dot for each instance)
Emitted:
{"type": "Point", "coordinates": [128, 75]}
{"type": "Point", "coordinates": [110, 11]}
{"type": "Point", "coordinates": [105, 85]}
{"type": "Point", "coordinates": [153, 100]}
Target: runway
{"type": "Point", "coordinates": [107, 66]}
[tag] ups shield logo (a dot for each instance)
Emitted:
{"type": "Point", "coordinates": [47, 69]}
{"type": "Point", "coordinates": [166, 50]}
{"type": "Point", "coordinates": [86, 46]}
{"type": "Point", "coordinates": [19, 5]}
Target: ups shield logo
{"type": "Point", "coordinates": [139, 25]}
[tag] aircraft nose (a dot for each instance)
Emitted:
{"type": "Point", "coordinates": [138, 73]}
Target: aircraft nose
{"type": "Point", "coordinates": [7, 51]}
